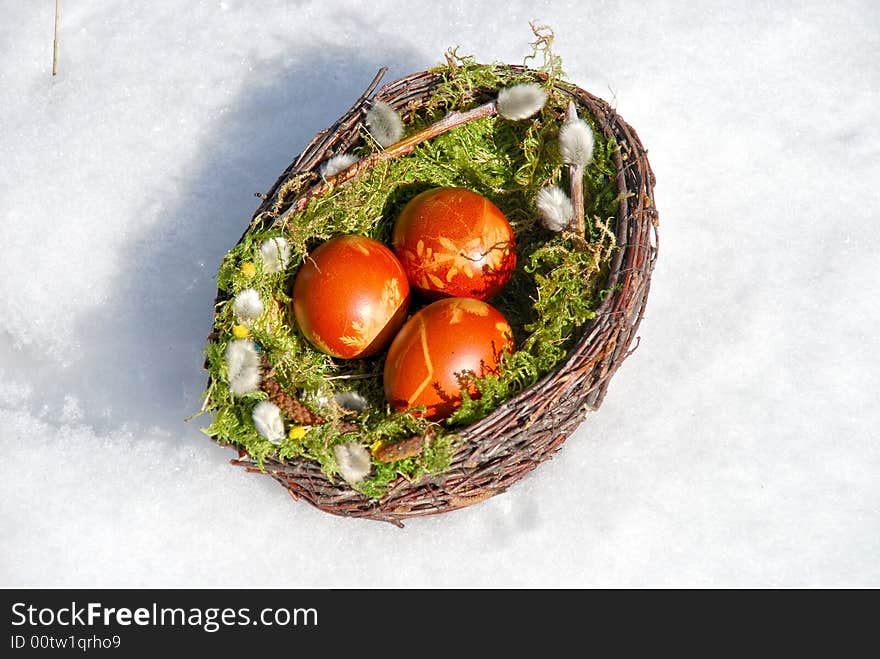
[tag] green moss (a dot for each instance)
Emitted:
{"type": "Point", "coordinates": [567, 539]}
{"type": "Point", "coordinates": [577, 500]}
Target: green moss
{"type": "Point", "coordinates": [555, 290]}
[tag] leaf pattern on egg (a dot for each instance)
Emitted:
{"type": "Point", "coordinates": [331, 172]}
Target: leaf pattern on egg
{"type": "Point", "coordinates": [365, 330]}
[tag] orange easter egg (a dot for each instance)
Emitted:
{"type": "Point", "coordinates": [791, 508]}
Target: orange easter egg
{"type": "Point", "coordinates": [454, 242]}
{"type": "Point", "coordinates": [439, 351]}
{"type": "Point", "coordinates": [350, 297]}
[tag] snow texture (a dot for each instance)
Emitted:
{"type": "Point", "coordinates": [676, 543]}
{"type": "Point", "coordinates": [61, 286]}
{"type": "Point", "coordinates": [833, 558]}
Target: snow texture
{"type": "Point", "coordinates": [736, 447]}
{"type": "Point", "coordinates": [555, 208]}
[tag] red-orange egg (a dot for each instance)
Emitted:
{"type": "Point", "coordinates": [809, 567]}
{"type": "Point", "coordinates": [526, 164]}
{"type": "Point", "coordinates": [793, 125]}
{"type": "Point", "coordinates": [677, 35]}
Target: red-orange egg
{"type": "Point", "coordinates": [350, 296]}
{"type": "Point", "coordinates": [454, 242]}
{"type": "Point", "coordinates": [439, 351]}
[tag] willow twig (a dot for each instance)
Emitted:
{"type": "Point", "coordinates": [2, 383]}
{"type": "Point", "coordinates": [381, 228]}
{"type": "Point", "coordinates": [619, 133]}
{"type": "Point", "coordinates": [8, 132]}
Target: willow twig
{"type": "Point", "coordinates": [401, 148]}
{"type": "Point", "coordinates": [576, 176]}
{"type": "Point", "coordinates": [55, 42]}
{"type": "Point", "coordinates": [357, 376]}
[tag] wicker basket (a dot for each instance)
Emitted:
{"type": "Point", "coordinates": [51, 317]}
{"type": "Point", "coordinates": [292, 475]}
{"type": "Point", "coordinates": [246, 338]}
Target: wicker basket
{"type": "Point", "coordinates": [529, 428]}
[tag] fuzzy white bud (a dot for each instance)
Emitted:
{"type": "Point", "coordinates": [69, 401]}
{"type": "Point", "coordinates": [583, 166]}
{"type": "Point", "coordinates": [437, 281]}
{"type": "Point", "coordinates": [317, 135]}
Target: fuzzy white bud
{"type": "Point", "coordinates": [351, 401]}
{"type": "Point", "coordinates": [353, 460]}
{"type": "Point", "coordinates": [576, 142]}
{"type": "Point", "coordinates": [521, 101]}
{"type": "Point", "coordinates": [384, 124]}
{"type": "Point", "coordinates": [320, 398]}
{"type": "Point", "coordinates": [338, 163]}
{"type": "Point", "coordinates": [275, 254]}
{"type": "Point", "coordinates": [247, 305]}
{"type": "Point", "coordinates": [555, 207]}
{"type": "Point", "coordinates": [268, 422]}
{"type": "Point", "coordinates": [242, 367]}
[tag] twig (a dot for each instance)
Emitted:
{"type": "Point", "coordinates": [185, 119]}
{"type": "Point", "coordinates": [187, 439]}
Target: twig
{"type": "Point", "coordinates": [318, 146]}
{"type": "Point", "coordinates": [357, 376]}
{"type": "Point", "coordinates": [55, 42]}
{"type": "Point", "coordinates": [401, 148]}
{"type": "Point", "coordinates": [576, 176]}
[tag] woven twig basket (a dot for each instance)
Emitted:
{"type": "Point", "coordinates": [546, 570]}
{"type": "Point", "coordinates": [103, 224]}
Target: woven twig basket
{"type": "Point", "coordinates": [494, 453]}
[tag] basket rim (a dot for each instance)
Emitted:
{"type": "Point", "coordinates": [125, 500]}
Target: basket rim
{"type": "Point", "coordinates": [628, 282]}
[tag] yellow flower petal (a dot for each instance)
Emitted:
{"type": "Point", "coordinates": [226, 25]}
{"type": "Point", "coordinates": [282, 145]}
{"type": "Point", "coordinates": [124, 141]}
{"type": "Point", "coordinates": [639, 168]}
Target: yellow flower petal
{"type": "Point", "coordinates": [297, 432]}
{"type": "Point", "coordinates": [240, 332]}
{"type": "Point", "coordinates": [248, 269]}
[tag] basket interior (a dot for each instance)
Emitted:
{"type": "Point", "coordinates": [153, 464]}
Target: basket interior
{"type": "Point", "coordinates": [516, 424]}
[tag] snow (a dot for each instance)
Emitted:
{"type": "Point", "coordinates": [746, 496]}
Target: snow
{"type": "Point", "coordinates": [737, 447]}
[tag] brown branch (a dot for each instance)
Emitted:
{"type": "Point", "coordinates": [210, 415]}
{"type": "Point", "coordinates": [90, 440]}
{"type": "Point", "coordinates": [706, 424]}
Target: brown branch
{"type": "Point", "coordinates": [406, 448]}
{"type": "Point", "coordinates": [401, 148]}
{"type": "Point", "coordinates": [55, 42]}
{"type": "Point", "coordinates": [293, 408]}
{"type": "Point", "coordinates": [576, 176]}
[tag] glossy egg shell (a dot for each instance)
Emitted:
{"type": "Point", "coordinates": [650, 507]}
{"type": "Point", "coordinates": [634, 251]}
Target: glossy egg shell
{"type": "Point", "coordinates": [350, 296]}
{"type": "Point", "coordinates": [455, 242]}
{"type": "Point", "coordinates": [437, 349]}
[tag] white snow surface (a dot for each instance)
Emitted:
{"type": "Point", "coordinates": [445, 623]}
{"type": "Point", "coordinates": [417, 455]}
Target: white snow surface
{"type": "Point", "coordinates": [737, 447]}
